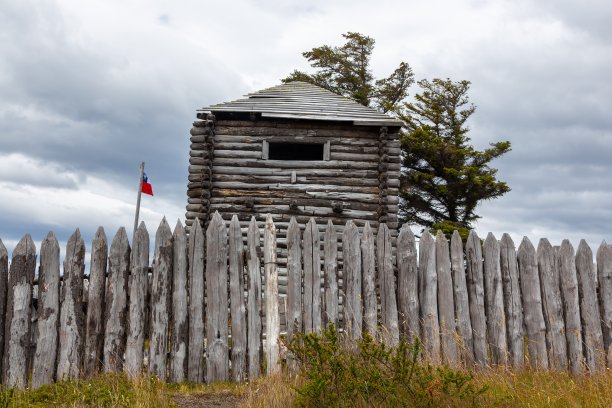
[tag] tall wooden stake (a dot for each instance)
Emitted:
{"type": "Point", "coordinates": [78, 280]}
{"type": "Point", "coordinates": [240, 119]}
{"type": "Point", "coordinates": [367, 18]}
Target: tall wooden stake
{"type": "Point", "coordinates": [138, 199]}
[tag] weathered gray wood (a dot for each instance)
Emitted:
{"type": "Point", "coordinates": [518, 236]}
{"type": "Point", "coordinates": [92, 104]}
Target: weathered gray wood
{"type": "Point", "coordinates": [462, 306]}
{"type": "Point", "coordinates": [532, 305]}
{"type": "Point", "coordinates": [238, 308]}
{"type": "Point", "coordinates": [331, 273]}
{"type": "Point", "coordinates": [589, 310]}
{"type": "Point", "coordinates": [428, 296]}
{"type": "Point", "coordinates": [494, 302]}
{"type": "Point", "coordinates": [17, 330]}
{"type": "Point", "coordinates": [160, 301]}
{"type": "Point", "coordinates": [115, 314]}
{"type": "Point", "coordinates": [552, 307]}
{"type": "Point", "coordinates": [604, 280]}
{"type": "Point", "coordinates": [254, 347]}
{"type": "Point", "coordinates": [3, 293]}
{"type": "Point", "coordinates": [386, 283]}
{"type": "Point", "coordinates": [271, 298]}
{"type": "Point", "coordinates": [217, 364]}
{"type": "Point", "coordinates": [134, 347]}
{"type": "Point", "coordinates": [294, 279]}
{"type": "Point", "coordinates": [312, 278]}
{"type": "Point", "coordinates": [368, 263]}
{"type": "Point", "coordinates": [351, 253]}
{"type": "Point", "coordinates": [43, 368]}
{"type": "Point", "coordinates": [571, 306]}
{"type": "Point", "coordinates": [475, 285]}
{"type": "Point", "coordinates": [446, 304]}
{"type": "Point", "coordinates": [513, 306]}
{"type": "Point", "coordinates": [180, 325]}
{"type": "Point", "coordinates": [407, 284]}
{"type": "Point", "coordinates": [72, 319]}
{"type": "Point", "coordinates": [195, 365]}
{"type": "Point", "coordinates": [94, 327]}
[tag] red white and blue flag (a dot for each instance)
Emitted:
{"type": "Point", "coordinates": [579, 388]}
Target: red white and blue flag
{"type": "Point", "coordinates": [146, 186]}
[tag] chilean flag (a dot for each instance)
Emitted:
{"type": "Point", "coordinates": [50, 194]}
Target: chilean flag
{"type": "Point", "coordinates": [146, 186]}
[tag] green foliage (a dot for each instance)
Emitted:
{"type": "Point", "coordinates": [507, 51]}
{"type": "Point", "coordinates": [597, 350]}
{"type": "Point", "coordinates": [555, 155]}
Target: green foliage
{"type": "Point", "coordinates": [444, 177]}
{"type": "Point", "coordinates": [339, 373]}
{"type": "Point", "coordinates": [346, 71]}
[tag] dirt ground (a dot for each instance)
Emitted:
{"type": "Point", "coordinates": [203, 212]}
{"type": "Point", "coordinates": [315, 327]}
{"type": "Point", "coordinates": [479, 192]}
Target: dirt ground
{"type": "Point", "coordinates": [201, 400]}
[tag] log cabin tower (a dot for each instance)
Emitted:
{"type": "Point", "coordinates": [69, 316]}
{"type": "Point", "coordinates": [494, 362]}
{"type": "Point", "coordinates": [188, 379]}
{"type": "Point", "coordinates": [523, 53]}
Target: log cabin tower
{"type": "Point", "coordinates": [294, 150]}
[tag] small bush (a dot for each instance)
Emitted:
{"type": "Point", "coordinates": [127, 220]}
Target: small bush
{"type": "Point", "coordinates": [338, 373]}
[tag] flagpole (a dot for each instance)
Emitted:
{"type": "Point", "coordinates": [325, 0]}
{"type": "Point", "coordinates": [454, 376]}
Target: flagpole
{"type": "Point", "coordinates": [138, 199]}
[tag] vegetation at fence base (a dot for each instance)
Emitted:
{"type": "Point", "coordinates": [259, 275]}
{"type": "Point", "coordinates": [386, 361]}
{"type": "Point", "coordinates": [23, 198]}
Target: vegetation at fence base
{"type": "Point", "coordinates": [336, 373]}
{"type": "Point", "coordinates": [107, 390]}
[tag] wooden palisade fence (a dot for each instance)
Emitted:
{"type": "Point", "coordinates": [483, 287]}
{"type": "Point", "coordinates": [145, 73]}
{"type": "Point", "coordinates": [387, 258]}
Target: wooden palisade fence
{"type": "Point", "coordinates": [474, 306]}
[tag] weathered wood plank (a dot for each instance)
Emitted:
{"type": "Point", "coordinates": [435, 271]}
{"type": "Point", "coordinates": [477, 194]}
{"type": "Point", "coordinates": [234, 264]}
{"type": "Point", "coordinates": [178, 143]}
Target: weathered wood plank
{"type": "Point", "coordinates": [368, 262]}
{"type": "Point", "coordinates": [386, 283]}
{"type": "Point", "coordinates": [72, 319]}
{"type": "Point", "coordinates": [446, 304]}
{"type": "Point", "coordinates": [271, 298]}
{"type": "Point", "coordinates": [407, 284]}
{"type": "Point", "coordinates": [195, 365]}
{"type": "Point", "coordinates": [43, 368]}
{"type": "Point", "coordinates": [134, 347]}
{"type": "Point", "coordinates": [254, 346]}
{"type": "Point", "coordinates": [513, 306]}
{"type": "Point", "coordinates": [217, 354]}
{"type": "Point", "coordinates": [532, 305]}
{"type": "Point", "coordinates": [312, 278]}
{"type": "Point", "coordinates": [428, 296]}
{"type": "Point", "coordinates": [604, 280]}
{"type": "Point", "coordinates": [462, 306]}
{"type": "Point", "coordinates": [94, 328]}
{"type": "Point", "coordinates": [238, 308]}
{"type": "Point", "coordinates": [3, 294]}
{"type": "Point", "coordinates": [589, 309]}
{"type": "Point", "coordinates": [115, 314]}
{"type": "Point", "coordinates": [17, 330]}
{"type": "Point", "coordinates": [294, 279]}
{"type": "Point", "coordinates": [161, 301]}
{"type": "Point", "coordinates": [494, 302]}
{"type": "Point", "coordinates": [331, 275]}
{"type": "Point", "coordinates": [551, 306]}
{"type": "Point", "coordinates": [571, 306]}
{"type": "Point", "coordinates": [351, 252]}
{"type": "Point", "coordinates": [180, 325]}
{"type": "Point", "coordinates": [475, 284]}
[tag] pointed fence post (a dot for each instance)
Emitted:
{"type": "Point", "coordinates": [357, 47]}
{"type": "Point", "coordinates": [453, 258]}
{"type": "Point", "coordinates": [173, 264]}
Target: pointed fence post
{"type": "Point", "coordinates": [331, 275]}
{"type": "Point", "coordinates": [462, 305]}
{"type": "Point", "coordinates": [446, 304]}
{"type": "Point", "coordinates": [589, 309]}
{"type": "Point", "coordinates": [217, 355]}
{"type": "Point", "coordinates": [254, 346]}
{"type": "Point", "coordinates": [180, 325]}
{"type": "Point", "coordinates": [604, 278]}
{"type": "Point", "coordinates": [45, 357]}
{"type": "Point", "coordinates": [552, 307]}
{"type": "Point", "coordinates": [294, 279]}
{"type": "Point", "coordinates": [3, 295]}
{"type": "Point", "coordinates": [134, 349]}
{"type": "Point", "coordinates": [494, 302]}
{"type": "Point", "coordinates": [571, 306]}
{"type": "Point", "coordinates": [351, 255]}
{"type": "Point", "coordinates": [428, 295]}
{"type": "Point", "coordinates": [368, 263]}
{"type": "Point", "coordinates": [238, 308]}
{"type": "Point", "coordinates": [386, 283]}
{"type": "Point", "coordinates": [312, 278]}
{"type": "Point", "coordinates": [271, 297]}
{"type": "Point", "coordinates": [408, 284]}
{"type": "Point", "coordinates": [94, 326]}
{"type": "Point", "coordinates": [475, 284]}
{"type": "Point", "coordinates": [532, 305]}
{"type": "Point", "coordinates": [195, 365]}
{"type": "Point", "coordinates": [513, 305]}
{"type": "Point", "coordinates": [160, 299]}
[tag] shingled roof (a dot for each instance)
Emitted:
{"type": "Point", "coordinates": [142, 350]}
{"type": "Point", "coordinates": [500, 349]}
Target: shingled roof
{"type": "Point", "coordinates": [301, 100]}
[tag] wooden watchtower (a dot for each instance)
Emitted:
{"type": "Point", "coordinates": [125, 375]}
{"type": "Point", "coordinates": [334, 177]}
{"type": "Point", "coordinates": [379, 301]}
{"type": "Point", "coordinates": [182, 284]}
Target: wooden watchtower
{"type": "Point", "coordinates": [294, 150]}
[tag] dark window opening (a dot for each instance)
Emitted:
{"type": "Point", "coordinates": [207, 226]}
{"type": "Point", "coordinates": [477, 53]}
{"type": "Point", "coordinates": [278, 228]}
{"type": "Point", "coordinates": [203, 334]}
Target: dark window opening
{"type": "Point", "coordinates": [295, 151]}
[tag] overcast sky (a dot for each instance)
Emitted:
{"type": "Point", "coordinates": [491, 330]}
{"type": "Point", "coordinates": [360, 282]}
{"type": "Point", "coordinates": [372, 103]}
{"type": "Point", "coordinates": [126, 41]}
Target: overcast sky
{"type": "Point", "coordinates": [88, 89]}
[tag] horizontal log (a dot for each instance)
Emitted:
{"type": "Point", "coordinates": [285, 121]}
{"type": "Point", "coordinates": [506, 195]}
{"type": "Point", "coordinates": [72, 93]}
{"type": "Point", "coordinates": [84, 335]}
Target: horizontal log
{"type": "Point", "coordinates": [338, 140]}
{"type": "Point", "coordinates": [233, 154]}
{"type": "Point", "coordinates": [198, 139]}
{"type": "Point", "coordinates": [199, 153]}
{"type": "Point", "coordinates": [295, 164]}
{"type": "Point", "coordinates": [299, 202]}
{"type": "Point", "coordinates": [199, 131]}
{"type": "Point", "coordinates": [218, 185]}
{"type": "Point", "coordinates": [343, 181]}
{"type": "Point", "coordinates": [308, 210]}
{"type": "Point", "coordinates": [199, 161]}
{"type": "Point", "coordinates": [354, 157]}
{"type": "Point", "coordinates": [201, 146]}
